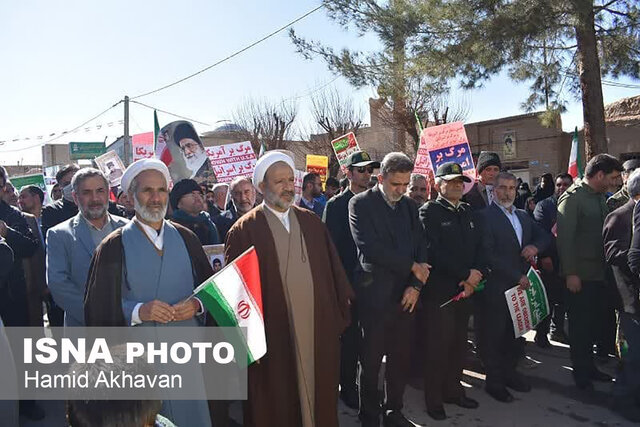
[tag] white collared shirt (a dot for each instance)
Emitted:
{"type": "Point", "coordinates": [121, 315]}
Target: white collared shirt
{"type": "Point", "coordinates": [513, 219]}
{"type": "Point", "coordinates": [156, 238]}
{"type": "Point", "coordinates": [282, 216]}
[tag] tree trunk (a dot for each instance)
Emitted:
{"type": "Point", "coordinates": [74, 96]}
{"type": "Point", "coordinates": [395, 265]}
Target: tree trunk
{"type": "Point", "coordinates": [595, 132]}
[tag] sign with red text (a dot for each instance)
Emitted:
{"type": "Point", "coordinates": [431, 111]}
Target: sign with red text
{"type": "Point", "coordinates": [442, 144]}
{"type": "Point", "coordinates": [142, 145]}
{"type": "Point", "coordinates": [344, 147]}
{"type": "Point", "coordinates": [527, 307]}
{"type": "Point", "coordinates": [232, 160]}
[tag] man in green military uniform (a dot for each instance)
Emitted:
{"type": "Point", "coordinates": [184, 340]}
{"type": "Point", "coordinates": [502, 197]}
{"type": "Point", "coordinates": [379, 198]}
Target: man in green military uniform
{"type": "Point", "coordinates": [581, 213]}
{"type": "Point", "coordinates": [622, 196]}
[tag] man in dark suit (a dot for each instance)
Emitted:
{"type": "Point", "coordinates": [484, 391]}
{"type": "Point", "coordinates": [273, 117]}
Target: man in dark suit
{"type": "Point", "coordinates": [511, 240]}
{"type": "Point", "coordinates": [458, 263]}
{"type": "Point", "coordinates": [392, 270]}
{"type": "Point", "coordinates": [336, 218]}
{"type": "Point", "coordinates": [616, 233]}
{"type": "Point", "coordinates": [481, 194]}
{"type": "Point", "coordinates": [546, 214]}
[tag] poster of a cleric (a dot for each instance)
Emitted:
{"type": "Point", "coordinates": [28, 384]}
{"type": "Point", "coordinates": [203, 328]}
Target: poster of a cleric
{"type": "Point", "coordinates": [112, 166]}
{"type": "Point", "coordinates": [445, 143]}
{"type": "Point", "coordinates": [184, 153]}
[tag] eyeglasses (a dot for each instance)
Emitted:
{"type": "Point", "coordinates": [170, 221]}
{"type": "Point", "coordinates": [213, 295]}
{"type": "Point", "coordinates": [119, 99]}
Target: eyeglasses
{"type": "Point", "coordinates": [363, 169]}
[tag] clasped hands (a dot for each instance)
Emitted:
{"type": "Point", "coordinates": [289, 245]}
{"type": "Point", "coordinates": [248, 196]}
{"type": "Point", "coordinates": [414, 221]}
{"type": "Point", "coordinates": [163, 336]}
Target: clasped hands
{"type": "Point", "coordinates": [159, 311]}
{"type": "Point", "coordinates": [411, 294]}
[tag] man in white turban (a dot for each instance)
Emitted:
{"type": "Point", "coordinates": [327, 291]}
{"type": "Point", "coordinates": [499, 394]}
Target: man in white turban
{"type": "Point", "coordinates": [305, 298]}
{"type": "Point", "coordinates": [163, 262]}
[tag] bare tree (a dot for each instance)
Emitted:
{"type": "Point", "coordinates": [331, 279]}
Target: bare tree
{"type": "Point", "coordinates": [265, 121]}
{"type": "Point", "coordinates": [334, 115]}
{"type": "Point", "coordinates": [425, 101]}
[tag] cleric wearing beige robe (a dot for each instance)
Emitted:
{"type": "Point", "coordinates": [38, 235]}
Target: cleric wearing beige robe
{"type": "Point", "coordinates": [305, 295]}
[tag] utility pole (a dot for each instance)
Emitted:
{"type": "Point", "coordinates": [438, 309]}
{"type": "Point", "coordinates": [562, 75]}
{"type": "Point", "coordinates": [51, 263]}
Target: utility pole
{"type": "Point", "coordinates": [127, 145]}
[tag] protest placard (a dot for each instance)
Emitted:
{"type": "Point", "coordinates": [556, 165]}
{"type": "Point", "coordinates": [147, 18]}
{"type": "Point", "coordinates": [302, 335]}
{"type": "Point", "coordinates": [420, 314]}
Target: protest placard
{"type": "Point", "coordinates": [527, 307]}
{"type": "Point", "coordinates": [142, 145]}
{"type": "Point", "coordinates": [320, 165]}
{"type": "Point", "coordinates": [179, 146]}
{"type": "Point", "coordinates": [442, 144]}
{"type": "Point", "coordinates": [232, 160]}
{"type": "Point", "coordinates": [36, 179]}
{"type": "Point", "coordinates": [298, 177]}
{"type": "Point", "coordinates": [344, 147]}
{"type": "Point", "coordinates": [215, 255]}
{"type": "Point", "coordinates": [112, 166]}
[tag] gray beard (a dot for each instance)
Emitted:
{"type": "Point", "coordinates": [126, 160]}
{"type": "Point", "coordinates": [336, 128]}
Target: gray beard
{"type": "Point", "coordinates": [195, 163]}
{"type": "Point", "coordinates": [89, 214]}
{"type": "Point", "coordinates": [146, 214]}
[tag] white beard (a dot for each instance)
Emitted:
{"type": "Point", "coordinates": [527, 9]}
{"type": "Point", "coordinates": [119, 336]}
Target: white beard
{"type": "Point", "coordinates": [195, 162]}
{"type": "Point", "coordinates": [146, 214]}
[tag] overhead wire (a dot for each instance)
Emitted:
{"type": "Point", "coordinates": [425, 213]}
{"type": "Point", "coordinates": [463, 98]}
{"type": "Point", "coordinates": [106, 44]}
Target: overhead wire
{"type": "Point", "coordinates": [244, 49]}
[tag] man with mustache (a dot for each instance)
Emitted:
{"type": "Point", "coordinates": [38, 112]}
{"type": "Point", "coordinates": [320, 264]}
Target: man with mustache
{"type": "Point", "coordinates": [163, 262]}
{"type": "Point", "coordinates": [71, 244]}
{"type": "Point", "coordinates": [305, 297]}
{"type": "Point", "coordinates": [390, 274]}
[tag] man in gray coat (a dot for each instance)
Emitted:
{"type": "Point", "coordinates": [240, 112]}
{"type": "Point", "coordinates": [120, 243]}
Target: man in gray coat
{"type": "Point", "coordinates": [71, 244]}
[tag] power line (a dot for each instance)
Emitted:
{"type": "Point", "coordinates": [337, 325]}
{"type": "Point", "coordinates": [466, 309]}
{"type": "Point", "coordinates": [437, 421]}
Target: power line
{"type": "Point", "coordinates": [232, 55]}
{"type": "Point", "coordinates": [64, 133]}
{"type": "Point", "coordinates": [312, 91]}
{"type": "Point", "coordinates": [169, 113]}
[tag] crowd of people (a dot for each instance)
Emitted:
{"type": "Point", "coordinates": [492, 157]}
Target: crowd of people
{"type": "Point", "coordinates": [353, 272]}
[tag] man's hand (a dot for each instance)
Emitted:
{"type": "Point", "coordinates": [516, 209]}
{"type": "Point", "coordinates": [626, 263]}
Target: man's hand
{"type": "Point", "coordinates": [409, 299]}
{"type": "Point", "coordinates": [156, 311]}
{"type": "Point", "coordinates": [469, 289]}
{"type": "Point", "coordinates": [546, 264]}
{"type": "Point", "coordinates": [185, 309]}
{"type": "Point", "coordinates": [3, 228]}
{"type": "Point", "coordinates": [474, 277]}
{"type": "Point", "coordinates": [421, 271]}
{"type": "Point", "coordinates": [528, 252]}
{"type": "Point", "coordinates": [523, 283]}
{"type": "Point", "coordinates": [574, 284]}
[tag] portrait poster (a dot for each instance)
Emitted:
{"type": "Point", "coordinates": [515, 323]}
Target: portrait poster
{"type": "Point", "coordinates": [184, 153]}
{"type": "Point", "coordinates": [442, 144]}
{"type": "Point", "coordinates": [232, 160]}
{"type": "Point", "coordinates": [215, 255]}
{"type": "Point", "coordinates": [112, 166]}
{"type": "Point", "coordinates": [509, 151]}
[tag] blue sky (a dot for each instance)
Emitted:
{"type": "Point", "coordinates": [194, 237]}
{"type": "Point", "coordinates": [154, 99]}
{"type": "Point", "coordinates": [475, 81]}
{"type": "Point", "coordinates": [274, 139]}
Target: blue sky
{"type": "Point", "coordinates": [64, 62]}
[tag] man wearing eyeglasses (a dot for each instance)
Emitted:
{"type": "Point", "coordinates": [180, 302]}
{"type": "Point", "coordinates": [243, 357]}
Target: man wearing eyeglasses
{"type": "Point", "coordinates": [336, 217]}
{"type": "Point", "coordinates": [188, 205]}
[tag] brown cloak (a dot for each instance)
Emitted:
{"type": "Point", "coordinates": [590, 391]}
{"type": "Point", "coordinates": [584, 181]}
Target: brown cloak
{"type": "Point", "coordinates": [273, 386]}
{"type": "Point", "coordinates": [103, 294]}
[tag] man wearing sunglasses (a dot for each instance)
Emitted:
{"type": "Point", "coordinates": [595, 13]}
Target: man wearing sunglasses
{"type": "Point", "coordinates": [336, 217]}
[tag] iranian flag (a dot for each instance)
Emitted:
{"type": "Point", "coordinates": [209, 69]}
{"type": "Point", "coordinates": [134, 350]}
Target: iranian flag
{"type": "Point", "coordinates": [575, 160]}
{"type": "Point", "coordinates": [233, 296]}
{"type": "Point", "coordinates": [161, 149]}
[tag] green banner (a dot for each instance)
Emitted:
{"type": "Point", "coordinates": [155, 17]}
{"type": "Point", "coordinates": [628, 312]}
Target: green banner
{"type": "Point", "coordinates": [85, 150]}
{"type": "Point", "coordinates": [22, 181]}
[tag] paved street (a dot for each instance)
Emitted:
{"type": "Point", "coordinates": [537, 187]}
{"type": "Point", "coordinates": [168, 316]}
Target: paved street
{"type": "Point", "coordinates": [554, 400]}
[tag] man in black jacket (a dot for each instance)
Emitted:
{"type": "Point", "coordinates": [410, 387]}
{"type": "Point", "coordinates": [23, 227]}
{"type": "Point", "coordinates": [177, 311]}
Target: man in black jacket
{"type": "Point", "coordinates": [458, 264]}
{"type": "Point", "coordinates": [63, 209]}
{"type": "Point", "coordinates": [511, 240]}
{"type": "Point", "coordinates": [336, 217]}
{"type": "Point", "coordinates": [243, 199]}
{"type": "Point", "coordinates": [481, 194]}
{"type": "Point", "coordinates": [392, 270]}
{"type": "Point", "coordinates": [616, 233]}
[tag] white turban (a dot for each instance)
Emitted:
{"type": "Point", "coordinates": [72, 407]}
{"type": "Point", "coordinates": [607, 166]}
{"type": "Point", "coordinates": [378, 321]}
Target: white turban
{"type": "Point", "coordinates": [266, 161]}
{"type": "Point", "coordinates": [142, 165]}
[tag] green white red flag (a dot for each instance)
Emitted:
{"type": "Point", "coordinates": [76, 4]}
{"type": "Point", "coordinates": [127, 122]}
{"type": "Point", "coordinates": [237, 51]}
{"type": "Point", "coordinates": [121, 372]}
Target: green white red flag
{"type": "Point", "coordinates": [233, 296]}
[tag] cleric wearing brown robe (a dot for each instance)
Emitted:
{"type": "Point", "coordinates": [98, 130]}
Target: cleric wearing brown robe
{"type": "Point", "coordinates": [305, 294]}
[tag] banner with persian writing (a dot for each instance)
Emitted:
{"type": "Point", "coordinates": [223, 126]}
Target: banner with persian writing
{"type": "Point", "coordinates": [232, 160]}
